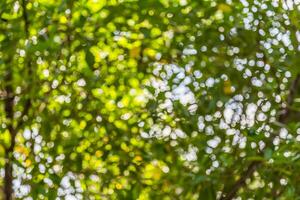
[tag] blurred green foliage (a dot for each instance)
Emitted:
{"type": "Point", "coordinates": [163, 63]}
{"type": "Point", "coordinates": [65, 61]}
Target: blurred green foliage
{"type": "Point", "coordinates": [150, 99]}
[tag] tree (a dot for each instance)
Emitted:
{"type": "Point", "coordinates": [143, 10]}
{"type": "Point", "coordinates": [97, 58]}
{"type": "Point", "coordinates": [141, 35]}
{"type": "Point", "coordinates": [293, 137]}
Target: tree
{"type": "Point", "coordinates": [156, 99]}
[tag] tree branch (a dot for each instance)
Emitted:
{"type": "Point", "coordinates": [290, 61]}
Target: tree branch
{"type": "Point", "coordinates": [28, 103]}
{"type": "Point", "coordinates": [282, 118]}
{"type": "Point", "coordinates": [242, 181]}
{"type": "Point", "coordinates": [9, 112]}
{"type": "Point", "coordinates": [290, 100]}
{"type": "Point", "coordinates": [25, 18]}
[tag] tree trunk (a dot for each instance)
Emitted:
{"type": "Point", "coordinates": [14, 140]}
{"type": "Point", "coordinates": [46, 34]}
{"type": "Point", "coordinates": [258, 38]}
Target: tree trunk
{"type": "Point", "coordinates": [8, 178]}
{"type": "Point", "coordinates": [9, 112]}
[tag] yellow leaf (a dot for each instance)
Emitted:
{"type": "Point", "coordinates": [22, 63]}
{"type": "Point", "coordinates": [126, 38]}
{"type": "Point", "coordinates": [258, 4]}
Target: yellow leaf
{"type": "Point", "coordinates": [82, 125]}
{"type": "Point", "coordinates": [63, 20]}
{"type": "Point", "coordinates": [150, 52]}
{"type": "Point", "coordinates": [134, 52]}
{"type": "Point", "coordinates": [119, 186]}
{"type": "Point", "coordinates": [98, 153]}
{"type": "Point", "coordinates": [152, 173]}
{"type": "Point", "coordinates": [27, 163]}
{"type": "Point", "coordinates": [227, 87]}
{"type": "Point", "coordinates": [224, 8]}
{"type": "Point", "coordinates": [138, 158]}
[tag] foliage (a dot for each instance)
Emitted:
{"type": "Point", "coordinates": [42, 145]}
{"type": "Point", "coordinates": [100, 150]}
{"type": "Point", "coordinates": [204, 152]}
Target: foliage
{"type": "Point", "coordinates": [149, 99]}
